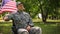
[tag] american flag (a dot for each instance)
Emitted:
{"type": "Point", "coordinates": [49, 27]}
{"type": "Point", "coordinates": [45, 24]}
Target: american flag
{"type": "Point", "coordinates": [9, 7]}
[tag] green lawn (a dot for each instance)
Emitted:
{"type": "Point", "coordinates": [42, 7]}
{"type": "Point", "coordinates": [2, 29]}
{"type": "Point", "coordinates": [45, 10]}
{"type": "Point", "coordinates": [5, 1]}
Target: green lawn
{"type": "Point", "coordinates": [5, 28]}
{"type": "Point", "coordinates": [49, 28]}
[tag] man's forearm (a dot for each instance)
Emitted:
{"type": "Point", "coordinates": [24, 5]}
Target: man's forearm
{"type": "Point", "coordinates": [6, 17]}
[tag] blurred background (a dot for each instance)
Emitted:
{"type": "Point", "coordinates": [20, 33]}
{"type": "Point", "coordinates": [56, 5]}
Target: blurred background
{"type": "Point", "coordinates": [44, 13]}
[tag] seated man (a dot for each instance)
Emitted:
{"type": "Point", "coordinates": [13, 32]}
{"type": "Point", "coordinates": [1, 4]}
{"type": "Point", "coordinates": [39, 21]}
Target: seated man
{"type": "Point", "coordinates": [22, 22]}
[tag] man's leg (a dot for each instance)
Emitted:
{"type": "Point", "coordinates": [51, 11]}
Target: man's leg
{"type": "Point", "coordinates": [22, 31]}
{"type": "Point", "coordinates": [14, 30]}
{"type": "Point", "coordinates": [35, 30]}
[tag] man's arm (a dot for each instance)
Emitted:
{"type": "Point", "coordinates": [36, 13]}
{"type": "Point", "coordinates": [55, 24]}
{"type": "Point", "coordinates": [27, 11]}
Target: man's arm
{"type": "Point", "coordinates": [30, 23]}
{"type": "Point", "coordinates": [7, 17]}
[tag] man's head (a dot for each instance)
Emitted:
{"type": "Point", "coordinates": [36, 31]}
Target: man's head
{"type": "Point", "coordinates": [20, 6]}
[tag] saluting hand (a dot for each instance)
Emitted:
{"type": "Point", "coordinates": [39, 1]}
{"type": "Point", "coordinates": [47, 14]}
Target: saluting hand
{"type": "Point", "coordinates": [5, 17]}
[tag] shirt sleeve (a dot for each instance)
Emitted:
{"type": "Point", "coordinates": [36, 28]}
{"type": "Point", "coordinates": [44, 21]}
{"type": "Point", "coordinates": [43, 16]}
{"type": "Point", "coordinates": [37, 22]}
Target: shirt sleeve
{"type": "Point", "coordinates": [10, 16]}
{"type": "Point", "coordinates": [30, 21]}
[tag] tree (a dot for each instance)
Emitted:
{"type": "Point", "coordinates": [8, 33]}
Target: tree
{"type": "Point", "coordinates": [49, 7]}
{"type": "Point", "coordinates": [32, 7]}
{"type": "Point", "coordinates": [44, 9]}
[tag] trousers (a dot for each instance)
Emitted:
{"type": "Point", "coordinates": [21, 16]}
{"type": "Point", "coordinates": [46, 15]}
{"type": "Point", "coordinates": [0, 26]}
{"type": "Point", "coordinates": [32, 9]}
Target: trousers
{"type": "Point", "coordinates": [33, 30]}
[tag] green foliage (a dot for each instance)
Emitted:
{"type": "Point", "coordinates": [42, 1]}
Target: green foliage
{"type": "Point", "coordinates": [31, 6]}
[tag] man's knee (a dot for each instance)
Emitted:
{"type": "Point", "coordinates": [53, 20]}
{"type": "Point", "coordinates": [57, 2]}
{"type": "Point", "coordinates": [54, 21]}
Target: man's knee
{"type": "Point", "coordinates": [37, 30]}
{"type": "Point", "coordinates": [22, 31]}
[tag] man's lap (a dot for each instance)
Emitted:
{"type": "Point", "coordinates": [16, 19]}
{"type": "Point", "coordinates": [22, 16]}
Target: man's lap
{"type": "Point", "coordinates": [32, 30]}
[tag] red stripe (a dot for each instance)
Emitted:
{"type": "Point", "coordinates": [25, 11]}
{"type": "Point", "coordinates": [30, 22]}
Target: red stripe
{"type": "Point", "coordinates": [8, 10]}
{"type": "Point", "coordinates": [9, 7]}
{"type": "Point", "coordinates": [11, 3]}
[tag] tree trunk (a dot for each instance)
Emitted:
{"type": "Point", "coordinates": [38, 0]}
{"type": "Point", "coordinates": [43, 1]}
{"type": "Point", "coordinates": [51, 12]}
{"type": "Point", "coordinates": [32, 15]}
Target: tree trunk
{"type": "Point", "coordinates": [44, 14]}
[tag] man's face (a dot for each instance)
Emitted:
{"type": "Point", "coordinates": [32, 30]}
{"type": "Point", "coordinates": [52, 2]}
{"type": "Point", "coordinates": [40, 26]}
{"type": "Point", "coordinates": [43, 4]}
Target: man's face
{"type": "Point", "coordinates": [20, 7]}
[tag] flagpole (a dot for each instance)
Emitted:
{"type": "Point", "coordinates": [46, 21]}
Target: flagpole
{"type": "Point", "coordinates": [1, 4]}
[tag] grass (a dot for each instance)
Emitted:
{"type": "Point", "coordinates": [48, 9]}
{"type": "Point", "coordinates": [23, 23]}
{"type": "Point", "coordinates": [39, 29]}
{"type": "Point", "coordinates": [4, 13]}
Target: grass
{"type": "Point", "coordinates": [35, 20]}
{"type": "Point", "coordinates": [49, 28]}
{"type": "Point", "coordinates": [48, 20]}
{"type": "Point", "coordinates": [5, 28]}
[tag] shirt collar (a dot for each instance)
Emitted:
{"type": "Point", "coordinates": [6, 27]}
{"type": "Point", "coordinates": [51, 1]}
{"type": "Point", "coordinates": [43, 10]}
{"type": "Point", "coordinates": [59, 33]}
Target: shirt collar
{"type": "Point", "coordinates": [20, 11]}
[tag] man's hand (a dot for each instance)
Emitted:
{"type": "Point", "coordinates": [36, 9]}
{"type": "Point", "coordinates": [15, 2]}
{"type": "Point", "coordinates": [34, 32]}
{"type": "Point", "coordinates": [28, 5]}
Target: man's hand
{"type": "Point", "coordinates": [6, 17]}
{"type": "Point", "coordinates": [28, 28]}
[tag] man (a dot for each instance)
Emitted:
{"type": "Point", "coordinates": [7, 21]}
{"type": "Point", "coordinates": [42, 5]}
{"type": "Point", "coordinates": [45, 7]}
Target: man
{"type": "Point", "coordinates": [22, 22]}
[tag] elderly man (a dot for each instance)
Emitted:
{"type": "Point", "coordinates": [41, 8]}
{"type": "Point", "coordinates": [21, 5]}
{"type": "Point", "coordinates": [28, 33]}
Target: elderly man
{"type": "Point", "coordinates": [22, 22]}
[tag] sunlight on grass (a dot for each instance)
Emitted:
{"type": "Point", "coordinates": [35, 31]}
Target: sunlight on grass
{"type": "Point", "coordinates": [48, 20]}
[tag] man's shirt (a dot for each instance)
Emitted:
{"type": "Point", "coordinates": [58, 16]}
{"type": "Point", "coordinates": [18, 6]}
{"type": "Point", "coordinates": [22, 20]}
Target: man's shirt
{"type": "Point", "coordinates": [21, 19]}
